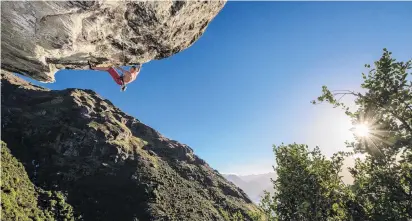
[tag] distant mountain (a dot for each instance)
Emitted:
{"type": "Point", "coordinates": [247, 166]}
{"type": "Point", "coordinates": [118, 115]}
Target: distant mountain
{"type": "Point", "coordinates": [73, 153]}
{"type": "Point", "coordinates": [253, 185]}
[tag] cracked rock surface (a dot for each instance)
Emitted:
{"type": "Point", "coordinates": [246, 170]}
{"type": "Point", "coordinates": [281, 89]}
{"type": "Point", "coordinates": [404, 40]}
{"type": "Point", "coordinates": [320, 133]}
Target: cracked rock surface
{"type": "Point", "coordinates": [40, 37]}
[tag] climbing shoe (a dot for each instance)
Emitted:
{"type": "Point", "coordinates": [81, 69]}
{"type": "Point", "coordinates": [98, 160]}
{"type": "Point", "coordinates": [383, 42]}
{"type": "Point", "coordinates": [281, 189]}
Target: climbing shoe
{"type": "Point", "coordinates": [90, 65]}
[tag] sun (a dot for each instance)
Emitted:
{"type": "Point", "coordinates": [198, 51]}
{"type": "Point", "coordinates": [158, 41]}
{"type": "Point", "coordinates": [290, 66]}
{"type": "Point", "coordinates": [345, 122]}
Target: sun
{"type": "Point", "coordinates": [371, 135]}
{"type": "Point", "coordinates": [362, 130]}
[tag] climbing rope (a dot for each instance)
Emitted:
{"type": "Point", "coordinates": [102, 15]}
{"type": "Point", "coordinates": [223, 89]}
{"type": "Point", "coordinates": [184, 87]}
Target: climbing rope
{"type": "Point", "coordinates": [122, 34]}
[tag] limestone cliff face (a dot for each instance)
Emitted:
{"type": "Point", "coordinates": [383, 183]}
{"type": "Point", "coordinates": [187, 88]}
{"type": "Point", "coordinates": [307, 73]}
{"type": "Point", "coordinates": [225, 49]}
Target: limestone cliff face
{"type": "Point", "coordinates": [109, 165]}
{"type": "Point", "coordinates": [40, 37]}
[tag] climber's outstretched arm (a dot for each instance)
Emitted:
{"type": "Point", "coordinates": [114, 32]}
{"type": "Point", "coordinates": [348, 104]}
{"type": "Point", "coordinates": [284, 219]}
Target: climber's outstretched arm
{"type": "Point", "coordinates": [97, 68]}
{"type": "Point", "coordinates": [100, 68]}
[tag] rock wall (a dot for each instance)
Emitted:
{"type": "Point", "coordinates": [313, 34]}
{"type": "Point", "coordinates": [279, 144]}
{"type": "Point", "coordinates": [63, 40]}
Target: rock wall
{"type": "Point", "coordinates": [40, 37]}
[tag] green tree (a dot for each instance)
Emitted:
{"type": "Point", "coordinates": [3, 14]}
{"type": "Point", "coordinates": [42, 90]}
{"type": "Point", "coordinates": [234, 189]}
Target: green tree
{"type": "Point", "coordinates": [383, 181]}
{"type": "Point", "coordinates": [308, 186]}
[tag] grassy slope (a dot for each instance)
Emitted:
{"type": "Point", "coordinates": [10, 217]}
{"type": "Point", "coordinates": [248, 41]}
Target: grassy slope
{"type": "Point", "coordinates": [21, 200]}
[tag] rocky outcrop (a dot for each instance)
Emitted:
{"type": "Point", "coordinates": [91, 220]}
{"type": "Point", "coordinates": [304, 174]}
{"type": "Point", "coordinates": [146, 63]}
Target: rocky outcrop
{"type": "Point", "coordinates": [40, 37]}
{"type": "Point", "coordinates": [109, 165]}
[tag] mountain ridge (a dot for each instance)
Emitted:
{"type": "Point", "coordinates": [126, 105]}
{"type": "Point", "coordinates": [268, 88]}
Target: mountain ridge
{"type": "Point", "coordinates": [109, 164]}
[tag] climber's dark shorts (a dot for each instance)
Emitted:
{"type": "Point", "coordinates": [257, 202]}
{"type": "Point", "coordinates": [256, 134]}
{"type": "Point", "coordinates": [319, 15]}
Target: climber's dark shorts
{"type": "Point", "coordinates": [116, 77]}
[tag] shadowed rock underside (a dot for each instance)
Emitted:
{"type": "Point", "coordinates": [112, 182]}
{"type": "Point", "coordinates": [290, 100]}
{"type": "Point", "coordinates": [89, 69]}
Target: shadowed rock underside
{"type": "Point", "coordinates": [40, 37]}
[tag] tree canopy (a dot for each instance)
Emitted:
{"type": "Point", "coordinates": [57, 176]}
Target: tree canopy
{"type": "Point", "coordinates": [309, 187]}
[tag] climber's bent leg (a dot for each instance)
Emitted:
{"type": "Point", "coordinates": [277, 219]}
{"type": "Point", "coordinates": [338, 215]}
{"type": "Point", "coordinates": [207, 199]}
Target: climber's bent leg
{"type": "Point", "coordinates": [116, 77]}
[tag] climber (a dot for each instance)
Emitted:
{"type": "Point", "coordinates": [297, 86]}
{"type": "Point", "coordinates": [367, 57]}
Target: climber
{"type": "Point", "coordinates": [126, 77]}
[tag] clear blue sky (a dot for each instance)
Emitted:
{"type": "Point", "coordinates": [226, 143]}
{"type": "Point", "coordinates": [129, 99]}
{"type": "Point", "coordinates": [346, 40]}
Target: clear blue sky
{"type": "Point", "coordinates": [247, 83]}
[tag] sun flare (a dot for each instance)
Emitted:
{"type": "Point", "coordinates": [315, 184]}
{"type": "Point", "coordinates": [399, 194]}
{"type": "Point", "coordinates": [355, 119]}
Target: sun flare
{"type": "Point", "coordinates": [362, 130]}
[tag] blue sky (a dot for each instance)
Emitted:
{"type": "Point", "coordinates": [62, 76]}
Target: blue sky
{"type": "Point", "coordinates": [247, 83]}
